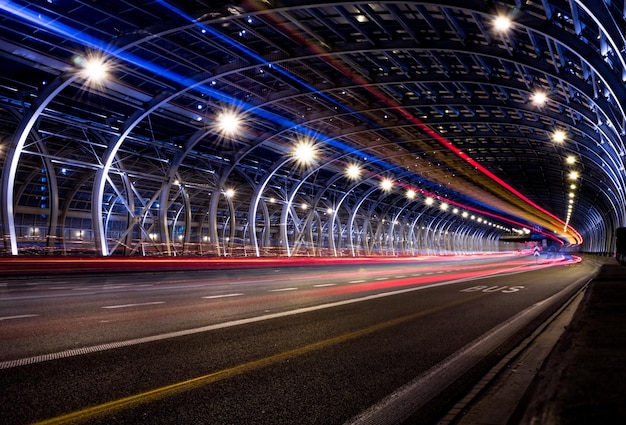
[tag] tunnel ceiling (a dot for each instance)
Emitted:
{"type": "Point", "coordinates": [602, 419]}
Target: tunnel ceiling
{"type": "Point", "coordinates": [429, 94]}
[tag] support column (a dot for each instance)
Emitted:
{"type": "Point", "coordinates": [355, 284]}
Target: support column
{"type": "Point", "coordinates": [14, 153]}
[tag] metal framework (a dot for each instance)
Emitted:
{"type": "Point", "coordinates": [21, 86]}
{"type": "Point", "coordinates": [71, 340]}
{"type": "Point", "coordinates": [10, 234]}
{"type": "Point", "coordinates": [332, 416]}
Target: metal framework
{"type": "Point", "coordinates": [430, 95]}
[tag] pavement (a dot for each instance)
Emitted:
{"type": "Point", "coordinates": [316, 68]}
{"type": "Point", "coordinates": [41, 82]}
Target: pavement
{"type": "Point", "coordinates": [583, 380]}
{"type": "Point", "coordinates": [572, 373]}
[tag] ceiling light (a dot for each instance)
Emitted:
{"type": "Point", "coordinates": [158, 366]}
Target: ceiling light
{"type": "Point", "coordinates": [502, 23]}
{"type": "Point", "coordinates": [386, 185]}
{"type": "Point", "coordinates": [353, 171]}
{"type": "Point", "coordinates": [304, 152]}
{"type": "Point", "coordinates": [228, 122]}
{"type": "Point", "coordinates": [539, 98]}
{"type": "Point", "coordinates": [95, 70]}
{"type": "Point", "coordinates": [559, 136]}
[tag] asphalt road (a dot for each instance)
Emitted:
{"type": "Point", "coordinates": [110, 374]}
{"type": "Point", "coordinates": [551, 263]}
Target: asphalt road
{"type": "Point", "coordinates": [275, 346]}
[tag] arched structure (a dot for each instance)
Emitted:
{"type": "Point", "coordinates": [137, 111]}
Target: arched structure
{"type": "Point", "coordinates": [462, 131]}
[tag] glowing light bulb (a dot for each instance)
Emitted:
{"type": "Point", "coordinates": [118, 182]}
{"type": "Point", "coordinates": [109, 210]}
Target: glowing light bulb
{"type": "Point", "coordinates": [502, 23]}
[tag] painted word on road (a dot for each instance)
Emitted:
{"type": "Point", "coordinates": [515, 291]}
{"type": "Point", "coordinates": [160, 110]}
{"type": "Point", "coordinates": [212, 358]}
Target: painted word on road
{"type": "Point", "coordinates": [485, 288]}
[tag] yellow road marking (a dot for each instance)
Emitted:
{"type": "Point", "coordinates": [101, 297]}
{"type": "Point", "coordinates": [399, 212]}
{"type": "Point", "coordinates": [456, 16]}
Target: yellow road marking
{"type": "Point", "coordinates": [162, 392]}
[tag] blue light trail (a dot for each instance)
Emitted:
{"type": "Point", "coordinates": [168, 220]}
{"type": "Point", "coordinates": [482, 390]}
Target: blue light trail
{"type": "Point", "coordinates": [190, 83]}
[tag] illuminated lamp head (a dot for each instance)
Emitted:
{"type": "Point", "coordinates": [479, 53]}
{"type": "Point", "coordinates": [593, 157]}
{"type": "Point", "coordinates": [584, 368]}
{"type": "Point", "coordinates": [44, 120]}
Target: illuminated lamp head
{"type": "Point", "coordinates": [386, 184]}
{"type": "Point", "coordinates": [93, 68]}
{"type": "Point", "coordinates": [228, 122]}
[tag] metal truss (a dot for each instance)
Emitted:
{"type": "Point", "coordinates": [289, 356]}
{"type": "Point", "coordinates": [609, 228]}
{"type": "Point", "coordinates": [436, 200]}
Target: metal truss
{"type": "Point", "coordinates": [428, 95]}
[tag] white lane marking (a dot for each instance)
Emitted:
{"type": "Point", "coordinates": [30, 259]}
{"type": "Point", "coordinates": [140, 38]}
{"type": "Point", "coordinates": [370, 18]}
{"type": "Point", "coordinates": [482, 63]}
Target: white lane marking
{"type": "Point", "coordinates": [97, 287]}
{"type": "Point", "coordinates": [321, 285]}
{"type": "Point", "coordinates": [398, 406]}
{"type": "Point", "coordinates": [283, 289]}
{"type": "Point", "coordinates": [382, 278]}
{"type": "Point", "coordinates": [133, 305]}
{"type": "Point", "coordinates": [21, 316]}
{"type": "Point", "coordinates": [213, 297]}
{"type": "Point", "coordinates": [357, 281]}
{"type": "Point", "coordinates": [400, 276]}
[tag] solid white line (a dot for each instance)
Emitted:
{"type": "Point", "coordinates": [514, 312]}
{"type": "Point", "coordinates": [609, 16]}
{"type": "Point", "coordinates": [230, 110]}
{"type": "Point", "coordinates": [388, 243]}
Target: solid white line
{"type": "Point", "coordinates": [21, 316]}
{"type": "Point", "coordinates": [212, 297]}
{"type": "Point", "coordinates": [283, 289]}
{"type": "Point", "coordinates": [398, 406]}
{"type": "Point", "coordinates": [133, 305]}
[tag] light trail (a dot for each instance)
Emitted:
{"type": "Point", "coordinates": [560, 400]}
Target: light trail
{"type": "Point", "coordinates": [94, 43]}
{"type": "Point", "coordinates": [70, 265]}
{"type": "Point", "coordinates": [365, 291]}
{"type": "Point", "coordinates": [437, 277]}
{"type": "Point", "coordinates": [336, 63]}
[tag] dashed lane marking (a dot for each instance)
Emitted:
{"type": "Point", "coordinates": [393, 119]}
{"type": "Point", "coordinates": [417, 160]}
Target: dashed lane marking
{"type": "Point", "coordinates": [133, 305]}
{"type": "Point", "coordinates": [213, 297]}
{"type": "Point", "coordinates": [21, 316]}
{"type": "Point", "coordinates": [160, 337]}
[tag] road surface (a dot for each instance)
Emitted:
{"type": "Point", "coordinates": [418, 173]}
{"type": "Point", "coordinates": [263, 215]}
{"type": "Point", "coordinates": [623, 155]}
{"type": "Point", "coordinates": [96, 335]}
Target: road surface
{"type": "Point", "coordinates": [303, 345]}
